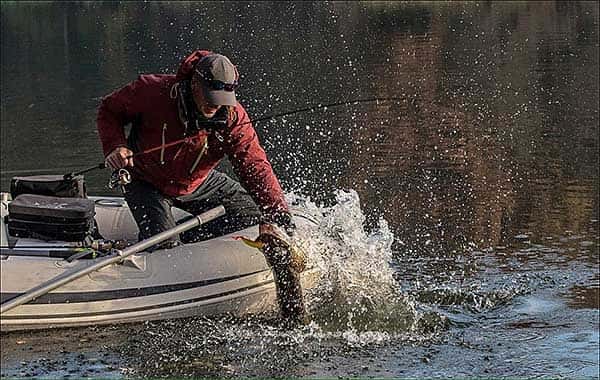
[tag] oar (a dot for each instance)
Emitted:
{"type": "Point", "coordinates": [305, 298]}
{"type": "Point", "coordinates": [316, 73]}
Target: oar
{"type": "Point", "coordinates": [118, 256]}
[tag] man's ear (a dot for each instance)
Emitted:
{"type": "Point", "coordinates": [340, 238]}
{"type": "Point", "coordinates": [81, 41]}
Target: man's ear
{"type": "Point", "coordinates": [196, 90]}
{"type": "Point", "coordinates": [195, 85]}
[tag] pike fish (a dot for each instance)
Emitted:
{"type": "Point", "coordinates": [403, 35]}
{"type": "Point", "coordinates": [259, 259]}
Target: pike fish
{"type": "Point", "coordinates": [287, 261]}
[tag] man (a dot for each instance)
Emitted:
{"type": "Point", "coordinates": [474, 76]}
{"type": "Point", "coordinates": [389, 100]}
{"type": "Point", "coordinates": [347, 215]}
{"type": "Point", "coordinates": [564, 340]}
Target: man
{"type": "Point", "coordinates": [197, 107]}
{"type": "Point", "coordinates": [182, 126]}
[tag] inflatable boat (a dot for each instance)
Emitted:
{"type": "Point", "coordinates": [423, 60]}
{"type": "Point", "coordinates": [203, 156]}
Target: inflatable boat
{"type": "Point", "coordinates": [218, 276]}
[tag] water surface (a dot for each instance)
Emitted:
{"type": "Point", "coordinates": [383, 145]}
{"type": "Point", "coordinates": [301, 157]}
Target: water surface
{"type": "Point", "coordinates": [462, 237]}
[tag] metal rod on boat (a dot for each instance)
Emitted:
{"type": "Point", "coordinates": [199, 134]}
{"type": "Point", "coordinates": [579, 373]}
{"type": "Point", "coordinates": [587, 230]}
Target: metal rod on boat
{"type": "Point", "coordinates": [68, 277]}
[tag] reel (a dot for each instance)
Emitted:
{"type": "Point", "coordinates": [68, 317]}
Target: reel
{"type": "Point", "coordinates": [119, 177]}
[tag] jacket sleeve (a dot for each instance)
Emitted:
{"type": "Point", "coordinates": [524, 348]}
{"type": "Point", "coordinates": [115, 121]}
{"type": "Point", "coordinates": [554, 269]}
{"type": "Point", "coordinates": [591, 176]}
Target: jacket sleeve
{"type": "Point", "coordinates": [117, 110]}
{"type": "Point", "coordinates": [254, 170]}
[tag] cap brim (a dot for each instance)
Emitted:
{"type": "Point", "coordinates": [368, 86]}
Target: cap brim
{"type": "Point", "coordinates": [220, 97]}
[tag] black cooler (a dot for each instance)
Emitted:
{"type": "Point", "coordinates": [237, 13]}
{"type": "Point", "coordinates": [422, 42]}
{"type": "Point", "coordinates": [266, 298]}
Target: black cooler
{"type": "Point", "coordinates": [51, 218]}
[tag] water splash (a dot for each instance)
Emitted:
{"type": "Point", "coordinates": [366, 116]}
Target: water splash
{"type": "Point", "coordinates": [355, 305]}
{"type": "Point", "coordinates": [356, 293]}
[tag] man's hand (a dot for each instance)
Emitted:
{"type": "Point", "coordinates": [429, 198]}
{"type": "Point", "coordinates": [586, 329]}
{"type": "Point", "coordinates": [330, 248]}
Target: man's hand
{"type": "Point", "coordinates": [273, 230]}
{"type": "Point", "coordinates": [282, 221]}
{"type": "Point", "coordinates": [119, 158]}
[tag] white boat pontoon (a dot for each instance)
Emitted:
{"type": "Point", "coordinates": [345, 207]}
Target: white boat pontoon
{"type": "Point", "coordinates": [217, 276]}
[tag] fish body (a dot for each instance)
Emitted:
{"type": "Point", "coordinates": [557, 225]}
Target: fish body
{"type": "Point", "coordinates": [287, 260]}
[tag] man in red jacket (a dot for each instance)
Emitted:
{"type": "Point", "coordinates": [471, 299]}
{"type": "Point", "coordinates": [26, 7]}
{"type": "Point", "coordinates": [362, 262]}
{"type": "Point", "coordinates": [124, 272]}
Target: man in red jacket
{"type": "Point", "coordinates": [181, 127]}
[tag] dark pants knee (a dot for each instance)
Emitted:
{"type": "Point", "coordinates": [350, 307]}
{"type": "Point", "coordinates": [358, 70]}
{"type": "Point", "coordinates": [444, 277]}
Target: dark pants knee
{"type": "Point", "coordinates": [152, 210]}
{"type": "Point", "coordinates": [219, 189]}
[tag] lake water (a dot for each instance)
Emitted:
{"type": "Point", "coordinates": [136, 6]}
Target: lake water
{"type": "Point", "coordinates": [466, 209]}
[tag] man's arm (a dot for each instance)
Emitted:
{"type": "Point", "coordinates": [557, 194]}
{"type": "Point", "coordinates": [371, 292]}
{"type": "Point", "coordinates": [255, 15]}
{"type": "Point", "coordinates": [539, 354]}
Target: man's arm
{"type": "Point", "coordinates": [117, 110]}
{"type": "Point", "coordinates": [252, 166]}
{"type": "Point", "coordinates": [256, 174]}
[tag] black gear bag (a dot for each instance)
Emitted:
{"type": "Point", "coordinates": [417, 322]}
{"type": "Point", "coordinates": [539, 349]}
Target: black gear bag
{"type": "Point", "coordinates": [50, 185]}
{"type": "Point", "coordinates": [51, 218]}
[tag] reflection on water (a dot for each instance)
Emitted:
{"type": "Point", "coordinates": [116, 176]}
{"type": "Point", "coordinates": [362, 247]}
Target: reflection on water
{"type": "Point", "coordinates": [485, 168]}
{"type": "Point", "coordinates": [488, 143]}
{"type": "Point", "coordinates": [585, 297]}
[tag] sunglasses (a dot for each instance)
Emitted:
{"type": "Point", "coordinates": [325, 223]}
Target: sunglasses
{"type": "Point", "coordinates": [217, 84]}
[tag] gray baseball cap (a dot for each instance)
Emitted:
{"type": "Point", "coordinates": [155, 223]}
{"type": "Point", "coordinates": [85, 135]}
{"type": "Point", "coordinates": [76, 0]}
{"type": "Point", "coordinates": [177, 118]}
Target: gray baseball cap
{"type": "Point", "coordinates": [219, 79]}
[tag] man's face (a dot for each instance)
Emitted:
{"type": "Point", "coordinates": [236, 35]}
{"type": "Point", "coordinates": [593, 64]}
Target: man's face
{"type": "Point", "coordinates": [208, 110]}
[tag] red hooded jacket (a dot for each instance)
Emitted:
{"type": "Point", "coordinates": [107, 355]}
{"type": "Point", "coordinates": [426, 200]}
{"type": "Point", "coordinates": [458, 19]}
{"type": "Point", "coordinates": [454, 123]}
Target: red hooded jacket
{"type": "Point", "coordinates": [150, 104]}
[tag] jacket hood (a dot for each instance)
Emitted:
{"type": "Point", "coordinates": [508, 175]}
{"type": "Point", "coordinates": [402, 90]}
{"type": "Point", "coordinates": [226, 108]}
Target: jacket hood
{"type": "Point", "coordinates": [186, 67]}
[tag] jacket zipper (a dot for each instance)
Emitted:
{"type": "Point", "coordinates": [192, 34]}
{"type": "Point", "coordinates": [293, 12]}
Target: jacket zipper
{"type": "Point", "coordinates": [162, 150]}
{"type": "Point", "coordinates": [204, 146]}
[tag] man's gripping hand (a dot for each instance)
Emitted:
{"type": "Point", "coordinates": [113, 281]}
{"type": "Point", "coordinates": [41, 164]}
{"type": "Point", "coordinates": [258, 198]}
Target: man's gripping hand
{"type": "Point", "coordinates": [119, 158]}
{"type": "Point", "coordinates": [283, 220]}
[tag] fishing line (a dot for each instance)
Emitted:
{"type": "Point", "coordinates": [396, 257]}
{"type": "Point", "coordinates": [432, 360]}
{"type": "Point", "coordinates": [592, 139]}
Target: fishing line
{"type": "Point", "coordinates": [321, 106]}
{"type": "Point", "coordinates": [313, 108]}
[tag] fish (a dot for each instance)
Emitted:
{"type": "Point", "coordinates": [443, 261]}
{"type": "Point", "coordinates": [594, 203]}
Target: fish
{"type": "Point", "coordinates": [288, 261]}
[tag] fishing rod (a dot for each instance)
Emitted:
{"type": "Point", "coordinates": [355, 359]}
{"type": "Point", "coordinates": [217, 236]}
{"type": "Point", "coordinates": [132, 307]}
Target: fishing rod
{"type": "Point", "coordinates": [321, 106]}
{"type": "Point", "coordinates": [315, 107]}
{"type": "Point", "coordinates": [288, 113]}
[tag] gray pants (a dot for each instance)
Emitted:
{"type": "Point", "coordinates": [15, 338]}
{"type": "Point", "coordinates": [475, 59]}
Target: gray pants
{"type": "Point", "coordinates": [152, 209]}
